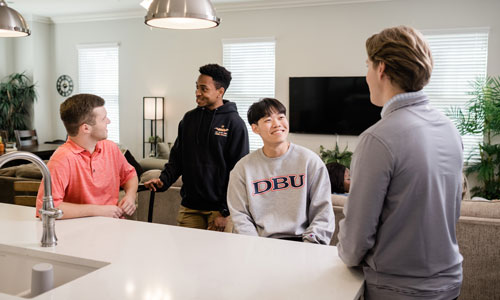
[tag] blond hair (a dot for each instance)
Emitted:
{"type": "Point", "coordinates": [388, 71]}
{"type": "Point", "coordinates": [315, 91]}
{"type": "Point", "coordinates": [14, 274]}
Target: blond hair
{"type": "Point", "coordinates": [406, 55]}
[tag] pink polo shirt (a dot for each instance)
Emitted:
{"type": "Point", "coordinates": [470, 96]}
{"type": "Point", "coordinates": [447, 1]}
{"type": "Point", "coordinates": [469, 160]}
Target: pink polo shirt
{"type": "Point", "coordinates": [83, 178]}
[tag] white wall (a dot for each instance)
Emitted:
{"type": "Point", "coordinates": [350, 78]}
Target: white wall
{"type": "Point", "coordinates": [34, 56]}
{"type": "Point", "coordinates": [311, 41]}
{"type": "Point", "coordinates": [6, 56]}
{"type": "Point", "coordinates": [43, 76]}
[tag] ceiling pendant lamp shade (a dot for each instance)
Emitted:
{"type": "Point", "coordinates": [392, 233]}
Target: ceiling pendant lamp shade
{"type": "Point", "coordinates": [12, 24]}
{"type": "Point", "coordinates": [181, 14]}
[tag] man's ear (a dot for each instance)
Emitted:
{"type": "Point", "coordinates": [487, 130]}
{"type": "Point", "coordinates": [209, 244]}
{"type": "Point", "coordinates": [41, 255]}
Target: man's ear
{"type": "Point", "coordinates": [255, 129]}
{"type": "Point", "coordinates": [221, 91]}
{"type": "Point", "coordinates": [84, 128]}
{"type": "Point", "coordinates": [380, 70]}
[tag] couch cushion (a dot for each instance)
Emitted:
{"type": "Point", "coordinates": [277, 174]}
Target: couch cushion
{"type": "Point", "coordinates": [10, 171]}
{"type": "Point", "coordinates": [152, 163]}
{"type": "Point", "coordinates": [29, 171]}
{"type": "Point", "coordinates": [148, 175]}
{"type": "Point", "coordinates": [469, 208]}
{"type": "Point", "coordinates": [151, 174]}
{"type": "Point", "coordinates": [162, 151]}
{"type": "Point", "coordinates": [338, 200]}
{"type": "Point", "coordinates": [481, 209]}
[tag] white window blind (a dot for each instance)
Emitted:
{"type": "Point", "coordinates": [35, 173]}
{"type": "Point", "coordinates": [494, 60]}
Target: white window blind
{"type": "Point", "coordinates": [460, 57]}
{"type": "Point", "coordinates": [252, 66]}
{"type": "Point", "coordinates": [98, 75]}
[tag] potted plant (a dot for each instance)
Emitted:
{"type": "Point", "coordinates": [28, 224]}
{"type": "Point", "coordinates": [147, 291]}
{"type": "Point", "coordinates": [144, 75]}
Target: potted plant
{"type": "Point", "coordinates": [342, 157]}
{"type": "Point", "coordinates": [482, 116]}
{"type": "Point", "coordinates": [154, 139]}
{"type": "Point", "coordinates": [17, 93]}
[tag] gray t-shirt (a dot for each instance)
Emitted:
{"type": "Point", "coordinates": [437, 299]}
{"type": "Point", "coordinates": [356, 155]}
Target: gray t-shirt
{"type": "Point", "coordinates": [284, 197]}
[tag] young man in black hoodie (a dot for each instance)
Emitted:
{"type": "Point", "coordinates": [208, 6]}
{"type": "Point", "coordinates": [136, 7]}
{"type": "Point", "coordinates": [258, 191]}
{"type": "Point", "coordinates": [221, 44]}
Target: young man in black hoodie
{"type": "Point", "coordinates": [211, 139]}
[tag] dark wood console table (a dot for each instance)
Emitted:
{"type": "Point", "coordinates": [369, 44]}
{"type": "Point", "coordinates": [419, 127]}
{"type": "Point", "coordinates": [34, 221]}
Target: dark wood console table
{"type": "Point", "coordinates": [44, 151]}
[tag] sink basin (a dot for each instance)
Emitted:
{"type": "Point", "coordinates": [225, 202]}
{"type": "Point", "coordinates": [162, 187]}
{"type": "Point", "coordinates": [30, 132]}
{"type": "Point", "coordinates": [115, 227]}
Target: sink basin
{"type": "Point", "coordinates": [16, 264]}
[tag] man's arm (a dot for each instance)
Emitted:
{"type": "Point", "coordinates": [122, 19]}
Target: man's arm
{"type": "Point", "coordinates": [73, 210]}
{"type": "Point", "coordinates": [237, 202]}
{"type": "Point", "coordinates": [128, 201]}
{"type": "Point", "coordinates": [173, 168]}
{"type": "Point", "coordinates": [126, 205]}
{"type": "Point", "coordinates": [371, 173]}
{"type": "Point", "coordinates": [321, 217]}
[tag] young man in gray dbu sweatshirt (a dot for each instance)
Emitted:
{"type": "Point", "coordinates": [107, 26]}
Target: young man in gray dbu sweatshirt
{"type": "Point", "coordinates": [281, 190]}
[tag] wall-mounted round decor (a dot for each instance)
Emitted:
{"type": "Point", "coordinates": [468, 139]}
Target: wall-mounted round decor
{"type": "Point", "coordinates": [64, 85]}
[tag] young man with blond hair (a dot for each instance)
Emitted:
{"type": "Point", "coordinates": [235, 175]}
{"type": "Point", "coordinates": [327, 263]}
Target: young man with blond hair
{"type": "Point", "coordinates": [88, 170]}
{"type": "Point", "coordinates": [404, 201]}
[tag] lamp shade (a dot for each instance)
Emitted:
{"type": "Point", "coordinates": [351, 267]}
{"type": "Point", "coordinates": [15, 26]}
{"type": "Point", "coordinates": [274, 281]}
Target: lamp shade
{"type": "Point", "coordinates": [153, 111]}
{"type": "Point", "coordinates": [182, 14]}
{"type": "Point", "coordinates": [12, 24]}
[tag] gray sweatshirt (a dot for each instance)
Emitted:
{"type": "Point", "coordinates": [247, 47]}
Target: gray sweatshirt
{"type": "Point", "coordinates": [283, 197]}
{"type": "Point", "coordinates": [404, 203]}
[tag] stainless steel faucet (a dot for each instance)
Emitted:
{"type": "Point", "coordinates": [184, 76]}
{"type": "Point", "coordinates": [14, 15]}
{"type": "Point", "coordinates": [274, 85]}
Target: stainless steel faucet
{"type": "Point", "coordinates": [48, 212]}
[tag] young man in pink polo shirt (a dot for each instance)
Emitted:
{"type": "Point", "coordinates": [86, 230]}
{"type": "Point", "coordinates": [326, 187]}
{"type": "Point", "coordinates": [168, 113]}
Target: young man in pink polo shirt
{"type": "Point", "coordinates": [87, 171]}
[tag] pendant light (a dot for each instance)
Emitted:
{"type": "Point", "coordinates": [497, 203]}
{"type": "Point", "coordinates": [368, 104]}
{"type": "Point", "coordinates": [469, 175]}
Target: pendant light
{"type": "Point", "coordinates": [181, 14]}
{"type": "Point", "coordinates": [12, 24]}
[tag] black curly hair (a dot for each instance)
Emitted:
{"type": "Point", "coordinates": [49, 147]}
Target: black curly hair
{"type": "Point", "coordinates": [336, 172]}
{"type": "Point", "coordinates": [220, 75]}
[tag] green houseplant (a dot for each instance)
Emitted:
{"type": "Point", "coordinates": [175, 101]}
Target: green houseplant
{"type": "Point", "coordinates": [154, 139]}
{"type": "Point", "coordinates": [335, 155]}
{"type": "Point", "coordinates": [482, 116]}
{"type": "Point", "coordinates": [17, 93]}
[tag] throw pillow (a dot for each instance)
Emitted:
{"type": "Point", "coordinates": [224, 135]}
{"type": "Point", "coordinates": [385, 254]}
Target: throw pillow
{"type": "Point", "coordinates": [29, 171]}
{"type": "Point", "coordinates": [163, 151]}
{"type": "Point", "coordinates": [9, 171]}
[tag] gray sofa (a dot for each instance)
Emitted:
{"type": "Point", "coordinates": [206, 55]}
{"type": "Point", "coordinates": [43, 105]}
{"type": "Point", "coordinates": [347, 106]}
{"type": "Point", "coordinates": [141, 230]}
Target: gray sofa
{"type": "Point", "coordinates": [10, 175]}
{"type": "Point", "coordinates": [166, 204]}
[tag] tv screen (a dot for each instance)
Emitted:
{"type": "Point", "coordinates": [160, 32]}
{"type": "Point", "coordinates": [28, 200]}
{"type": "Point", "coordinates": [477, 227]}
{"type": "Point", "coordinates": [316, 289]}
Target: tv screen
{"type": "Point", "coordinates": [331, 105]}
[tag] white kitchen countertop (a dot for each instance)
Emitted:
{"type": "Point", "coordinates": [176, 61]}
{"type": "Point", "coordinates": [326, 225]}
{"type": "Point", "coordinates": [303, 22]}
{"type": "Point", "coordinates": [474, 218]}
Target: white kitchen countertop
{"type": "Point", "coordinates": [153, 261]}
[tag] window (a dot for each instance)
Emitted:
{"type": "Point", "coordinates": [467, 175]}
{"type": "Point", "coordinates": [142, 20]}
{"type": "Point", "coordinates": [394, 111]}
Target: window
{"type": "Point", "coordinates": [98, 74]}
{"type": "Point", "coordinates": [252, 65]}
{"type": "Point", "coordinates": [460, 57]}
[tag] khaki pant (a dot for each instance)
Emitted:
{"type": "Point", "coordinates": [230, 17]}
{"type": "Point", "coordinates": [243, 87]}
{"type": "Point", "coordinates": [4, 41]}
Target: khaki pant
{"type": "Point", "coordinates": [201, 219]}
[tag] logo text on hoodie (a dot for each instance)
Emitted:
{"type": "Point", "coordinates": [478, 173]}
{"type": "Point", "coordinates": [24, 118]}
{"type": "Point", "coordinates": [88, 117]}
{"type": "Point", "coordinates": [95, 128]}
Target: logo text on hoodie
{"type": "Point", "coordinates": [221, 131]}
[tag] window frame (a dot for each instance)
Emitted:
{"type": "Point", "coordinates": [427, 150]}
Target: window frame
{"type": "Point", "coordinates": [100, 83]}
{"type": "Point", "coordinates": [242, 91]}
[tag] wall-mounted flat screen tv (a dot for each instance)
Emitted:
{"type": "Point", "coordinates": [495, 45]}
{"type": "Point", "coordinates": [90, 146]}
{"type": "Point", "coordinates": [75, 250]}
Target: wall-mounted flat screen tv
{"type": "Point", "coordinates": [331, 105]}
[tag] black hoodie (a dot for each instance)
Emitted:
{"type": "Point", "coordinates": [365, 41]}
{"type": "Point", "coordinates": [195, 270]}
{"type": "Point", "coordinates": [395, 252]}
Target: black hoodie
{"type": "Point", "coordinates": [209, 143]}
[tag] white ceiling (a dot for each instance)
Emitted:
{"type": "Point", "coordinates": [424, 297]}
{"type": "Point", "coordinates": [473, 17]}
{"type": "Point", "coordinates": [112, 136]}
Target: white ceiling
{"type": "Point", "coordinates": [65, 8]}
